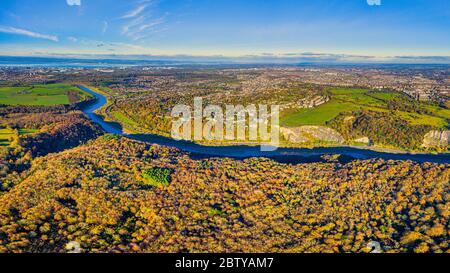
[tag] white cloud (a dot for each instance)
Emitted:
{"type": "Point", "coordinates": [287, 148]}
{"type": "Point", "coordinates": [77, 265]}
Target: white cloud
{"type": "Point", "coordinates": [74, 2]}
{"type": "Point", "coordinates": [24, 32]}
{"type": "Point", "coordinates": [126, 29]}
{"type": "Point", "coordinates": [152, 24]}
{"type": "Point", "coordinates": [139, 24]}
{"type": "Point", "coordinates": [142, 27]}
{"type": "Point", "coordinates": [73, 39]}
{"type": "Point", "coordinates": [135, 12]}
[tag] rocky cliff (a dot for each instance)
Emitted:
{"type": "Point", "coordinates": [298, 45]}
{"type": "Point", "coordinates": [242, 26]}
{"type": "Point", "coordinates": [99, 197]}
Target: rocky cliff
{"type": "Point", "coordinates": [305, 134]}
{"type": "Point", "coordinates": [437, 139]}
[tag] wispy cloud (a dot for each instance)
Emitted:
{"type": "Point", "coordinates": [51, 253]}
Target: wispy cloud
{"type": "Point", "coordinates": [135, 12]}
{"type": "Point", "coordinates": [151, 24]}
{"type": "Point", "coordinates": [105, 26]}
{"type": "Point", "coordinates": [141, 22]}
{"type": "Point", "coordinates": [24, 32]}
{"type": "Point", "coordinates": [142, 27]}
{"type": "Point", "coordinates": [127, 28]}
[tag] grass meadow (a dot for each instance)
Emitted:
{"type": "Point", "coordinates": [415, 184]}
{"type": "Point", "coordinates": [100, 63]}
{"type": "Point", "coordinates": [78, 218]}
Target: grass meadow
{"type": "Point", "coordinates": [351, 99]}
{"type": "Point", "coordinates": [41, 94]}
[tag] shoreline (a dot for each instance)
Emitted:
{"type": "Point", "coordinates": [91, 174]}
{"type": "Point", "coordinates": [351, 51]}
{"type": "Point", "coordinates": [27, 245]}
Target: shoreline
{"type": "Point", "coordinates": [246, 150]}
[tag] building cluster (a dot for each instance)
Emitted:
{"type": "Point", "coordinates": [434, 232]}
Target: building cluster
{"type": "Point", "coordinates": [284, 85]}
{"type": "Point", "coordinates": [420, 84]}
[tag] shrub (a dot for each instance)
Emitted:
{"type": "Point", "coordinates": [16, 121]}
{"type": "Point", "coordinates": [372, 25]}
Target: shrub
{"type": "Point", "coordinates": [157, 177]}
{"type": "Point", "coordinates": [108, 137]}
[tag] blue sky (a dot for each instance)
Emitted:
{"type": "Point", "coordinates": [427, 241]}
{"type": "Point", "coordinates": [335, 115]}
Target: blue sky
{"type": "Point", "coordinates": [350, 28]}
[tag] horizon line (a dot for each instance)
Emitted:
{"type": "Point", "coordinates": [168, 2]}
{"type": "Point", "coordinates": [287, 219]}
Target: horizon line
{"type": "Point", "coordinates": [291, 58]}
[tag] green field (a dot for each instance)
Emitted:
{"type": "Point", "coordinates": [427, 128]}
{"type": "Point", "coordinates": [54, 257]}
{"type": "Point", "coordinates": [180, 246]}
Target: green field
{"type": "Point", "coordinates": [7, 134]}
{"type": "Point", "coordinates": [124, 119]}
{"type": "Point", "coordinates": [350, 99]}
{"type": "Point", "coordinates": [316, 116]}
{"type": "Point", "coordinates": [42, 94]}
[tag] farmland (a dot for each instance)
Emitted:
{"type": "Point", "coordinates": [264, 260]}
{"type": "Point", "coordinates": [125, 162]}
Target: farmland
{"type": "Point", "coordinates": [42, 94]}
{"type": "Point", "coordinates": [6, 134]}
{"type": "Point", "coordinates": [349, 99]}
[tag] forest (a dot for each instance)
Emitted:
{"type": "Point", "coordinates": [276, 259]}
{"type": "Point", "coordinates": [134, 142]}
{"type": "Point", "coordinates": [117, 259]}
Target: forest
{"type": "Point", "coordinates": [99, 195]}
{"type": "Point", "coordinates": [380, 127]}
{"type": "Point", "coordinates": [37, 131]}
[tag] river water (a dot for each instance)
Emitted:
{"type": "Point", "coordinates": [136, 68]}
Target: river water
{"type": "Point", "coordinates": [243, 151]}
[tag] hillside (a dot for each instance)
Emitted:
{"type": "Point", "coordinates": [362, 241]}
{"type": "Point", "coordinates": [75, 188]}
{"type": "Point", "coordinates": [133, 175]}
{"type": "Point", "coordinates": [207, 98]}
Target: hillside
{"type": "Point", "coordinates": [148, 110]}
{"type": "Point", "coordinates": [118, 195]}
{"type": "Point", "coordinates": [30, 131]}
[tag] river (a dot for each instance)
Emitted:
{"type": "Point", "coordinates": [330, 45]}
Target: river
{"type": "Point", "coordinates": [290, 155]}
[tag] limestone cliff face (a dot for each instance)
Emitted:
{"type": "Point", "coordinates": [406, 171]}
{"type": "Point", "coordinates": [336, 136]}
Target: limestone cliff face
{"type": "Point", "coordinates": [305, 134]}
{"type": "Point", "coordinates": [363, 140]}
{"type": "Point", "coordinates": [437, 139]}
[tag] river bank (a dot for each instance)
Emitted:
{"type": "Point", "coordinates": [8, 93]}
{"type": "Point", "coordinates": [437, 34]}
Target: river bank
{"type": "Point", "coordinates": [245, 151]}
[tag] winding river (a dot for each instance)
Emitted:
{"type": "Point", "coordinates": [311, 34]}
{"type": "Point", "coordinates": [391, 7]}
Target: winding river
{"type": "Point", "coordinates": [290, 155]}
